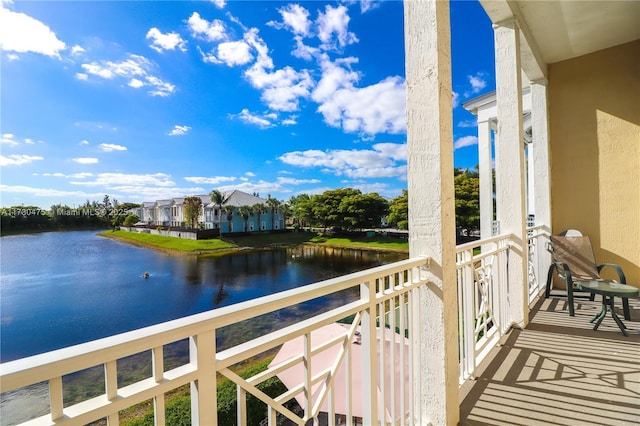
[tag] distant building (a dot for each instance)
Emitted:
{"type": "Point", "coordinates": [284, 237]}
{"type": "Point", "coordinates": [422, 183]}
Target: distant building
{"type": "Point", "coordinates": [170, 213]}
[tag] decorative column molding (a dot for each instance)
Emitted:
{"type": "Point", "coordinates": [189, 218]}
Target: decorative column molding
{"type": "Point", "coordinates": [485, 171]}
{"type": "Point", "coordinates": [510, 170]}
{"type": "Point", "coordinates": [431, 206]}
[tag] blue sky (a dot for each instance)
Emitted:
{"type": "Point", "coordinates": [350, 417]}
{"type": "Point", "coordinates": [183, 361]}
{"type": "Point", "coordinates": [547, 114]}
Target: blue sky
{"type": "Point", "coordinates": [151, 100]}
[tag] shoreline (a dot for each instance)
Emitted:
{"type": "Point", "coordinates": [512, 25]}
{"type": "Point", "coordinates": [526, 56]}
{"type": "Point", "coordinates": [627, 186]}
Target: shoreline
{"type": "Point", "coordinates": [254, 243]}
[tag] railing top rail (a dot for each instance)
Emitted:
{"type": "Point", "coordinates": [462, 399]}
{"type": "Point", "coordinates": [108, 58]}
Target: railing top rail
{"type": "Point", "coordinates": [37, 368]}
{"type": "Point", "coordinates": [478, 243]}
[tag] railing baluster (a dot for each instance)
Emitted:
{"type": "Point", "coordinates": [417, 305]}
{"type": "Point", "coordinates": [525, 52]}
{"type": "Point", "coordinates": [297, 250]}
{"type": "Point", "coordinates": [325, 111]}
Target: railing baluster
{"type": "Point", "coordinates": [111, 384]}
{"type": "Point", "coordinates": [56, 398]}
{"type": "Point", "coordinates": [157, 367]}
{"type": "Point", "coordinates": [204, 404]}
{"type": "Point", "coordinates": [307, 375]}
{"type": "Point", "coordinates": [241, 406]}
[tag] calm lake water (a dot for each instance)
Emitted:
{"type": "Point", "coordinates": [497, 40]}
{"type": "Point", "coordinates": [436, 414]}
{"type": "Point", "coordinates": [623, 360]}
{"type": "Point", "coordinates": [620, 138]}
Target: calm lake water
{"type": "Point", "coordinates": [63, 288]}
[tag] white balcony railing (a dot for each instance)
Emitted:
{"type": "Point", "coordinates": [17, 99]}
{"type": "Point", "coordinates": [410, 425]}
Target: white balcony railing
{"type": "Point", "coordinates": [366, 371]}
{"type": "Point", "coordinates": [377, 339]}
{"type": "Point", "coordinates": [538, 261]}
{"type": "Point", "coordinates": [482, 299]}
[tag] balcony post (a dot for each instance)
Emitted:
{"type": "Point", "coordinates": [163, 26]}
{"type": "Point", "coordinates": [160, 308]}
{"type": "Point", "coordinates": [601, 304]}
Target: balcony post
{"type": "Point", "coordinates": [510, 170]}
{"type": "Point", "coordinates": [431, 207]}
{"type": "Point", "coordinates": [485, 171]}
{"type": "Point", "coordinates": [204, 402]}
{"type": "Point", "coordinates": [541, 168]}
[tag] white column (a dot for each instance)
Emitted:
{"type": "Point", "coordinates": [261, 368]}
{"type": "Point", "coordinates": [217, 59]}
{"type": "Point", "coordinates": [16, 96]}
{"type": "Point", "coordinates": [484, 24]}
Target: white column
{"type": "Point", "coordinates": [541, 169]}
{"type": "Point", "coordinates": [510, 179]}
{"type": "Point", "coordinates": [485, 169]}
{"type": "Point", "coordinates": [431, 205]}
{"type": "Point", "coordinates": [531, 180]}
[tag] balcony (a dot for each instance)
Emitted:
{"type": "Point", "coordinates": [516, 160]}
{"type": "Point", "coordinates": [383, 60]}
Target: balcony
{"type": "Point", "coordinates": [557, 368]}
{"type": "Point", "coordinates": [470, 347]}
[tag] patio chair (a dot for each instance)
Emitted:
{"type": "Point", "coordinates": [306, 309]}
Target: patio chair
{"type": "Point", "coordinates": [573, 261]}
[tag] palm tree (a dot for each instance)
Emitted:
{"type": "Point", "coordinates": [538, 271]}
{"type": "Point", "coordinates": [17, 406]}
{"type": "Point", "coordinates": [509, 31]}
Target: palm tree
{"type": "Point", "coordinates": [258, 209]}
{"type": "Point", "coordinates": [245, 212]}
{"type": "Point", "coordinates": [229, 210]}
{"type": "Point", "coordinates": [218, 199]}
{"type": "Point", "coordinates": [273, 205]}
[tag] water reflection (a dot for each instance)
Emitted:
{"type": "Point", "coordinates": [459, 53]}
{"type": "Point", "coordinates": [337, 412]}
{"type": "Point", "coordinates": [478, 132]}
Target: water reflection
{"type": "Point", "coordinates": [61, 289]}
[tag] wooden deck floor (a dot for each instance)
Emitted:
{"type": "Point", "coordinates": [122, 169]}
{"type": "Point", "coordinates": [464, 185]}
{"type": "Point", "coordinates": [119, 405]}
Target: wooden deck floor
{"type": "Point", "coordinates": [558, 371]}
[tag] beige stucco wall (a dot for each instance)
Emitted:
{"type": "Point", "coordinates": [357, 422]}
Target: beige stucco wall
{"type": "Point", "coordinates": [594, 103]}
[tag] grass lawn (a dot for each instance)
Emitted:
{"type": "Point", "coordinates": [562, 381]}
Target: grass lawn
{"type": "Point", "coordinates": [161, 242]}
{"type": "Point", "coordinates": [362, 242]}
{"type": "Point", "coordinates": [261, 240]}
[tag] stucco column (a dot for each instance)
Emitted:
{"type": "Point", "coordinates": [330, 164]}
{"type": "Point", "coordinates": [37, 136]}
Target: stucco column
{"type": "Point", "coordinates": [485, 169]}
{"type": "Point", "coordinates": [431, 207]}
{"type": "Point", "coordinates": [510, 174]}
{"type": "Point", "coordinates": [541, 169]}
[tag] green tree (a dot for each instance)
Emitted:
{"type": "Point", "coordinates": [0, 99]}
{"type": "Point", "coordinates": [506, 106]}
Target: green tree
{"type": "Point", "coordinates": [130, 220]}
{"type": "Point", "coordinates": [259, 209]}
{"type": "Point", "coordinates": [192, 210]}
{"type": "Point", "coordinates": [326, 206]}
{"type": "Point", "coordinates": [467, 188]}
{"type": "Point", "coordinates": [362, 211]}
{"type": "Point", "coordinates": [245, 213]}
{"type": "Point", "coordinates": [399, 211]}
{"type": "Point", "coordinates": [219, 200]}
{"type": "Point", "coordinates": [301, 209]}
{"type": "Point", "coordinates": [273, 204]}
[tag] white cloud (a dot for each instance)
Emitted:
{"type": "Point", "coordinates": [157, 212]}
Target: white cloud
{"type": "Point", "coordinates": [382, 161]}
{"type": "Point", "coordinates": [465, 141]}
{"type": "Point", "coordinates": [117, 179]}
{"type": "Point", "coordinates": [18, 159]}
{"type": "Point", "coordinates": [210, 31]}
{"type": "Point", "coordinates": [291, 121]}
{"type": "Point", "coordinates": [84, 142]}
{"type": "Point", "coordinates": [77, 50]}
{"type": "Point", "coordinates": [109, 147]}
{"type": "Point", "coordinates": [477, 82]}
{"type": "Point", "coordinates": [260, 187]}
{"type": "Point", "coordinates": [294, 181]}
{"type": "Point", "coordinates": [379, 108]}
{"type": "Point", "coordinates": [281, 89]}
{"type": "Point", "coordinates": [213, 180]}
{"type": "Point", "coordinates": [256, 120]}
{"type": "Point", "coordinates": [234, 53]}
{"type": "Point", "coordinates": [21, 33]}
{"type": "Point", "coordinates": [220, 4]}
{"type": "Point", "coordinates": [455, 100]}
{"type": "Point", "coordinates": [250, 174]}
{"type": "Point", "coordinates": [9, 139]}
{"type": "Point", "coordinates": [468, 123]}
{"type": "Point", "coordinates": [179, 130]}
{"type": "Point", "coordinates": [71, 176]}
{"type": "Point", "coordinates": [295, 18]}
{"type": "Point", "coordinates": [82, 76]}
{"type": "Point", "coordinates": [136, 69]}
{"type": "Point", "coordinates": [45, 192]}
{"type": "Point", "coordinates": [135, 83]}
{"type": "Point", "coordinates": [367, 5]}
{"type": "Point", "coordinates": [85, 160]}
{"type": "Point", "coordinates": [333, 28]}
{"type": "Point", "coordinates": [168, 41]}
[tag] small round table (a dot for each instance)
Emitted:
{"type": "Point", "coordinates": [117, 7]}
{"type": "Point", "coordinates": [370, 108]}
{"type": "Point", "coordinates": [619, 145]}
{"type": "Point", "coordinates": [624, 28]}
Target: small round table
{"type": "Point", "coordinates": [609, 290]}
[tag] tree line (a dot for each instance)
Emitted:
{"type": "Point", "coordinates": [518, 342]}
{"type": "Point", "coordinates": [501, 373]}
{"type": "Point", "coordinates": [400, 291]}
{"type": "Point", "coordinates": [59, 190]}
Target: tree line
{"type": "Point", "coordinates": [108, 213]}
{"type": "Point", "coordinates": [343, 208]}
{"type": "Point", "coordinates": [350, 209]}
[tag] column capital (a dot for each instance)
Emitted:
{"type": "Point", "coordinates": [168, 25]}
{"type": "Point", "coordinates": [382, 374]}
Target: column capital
{"type": "Point", "coordinates": [510, 22]}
